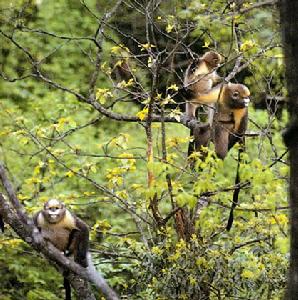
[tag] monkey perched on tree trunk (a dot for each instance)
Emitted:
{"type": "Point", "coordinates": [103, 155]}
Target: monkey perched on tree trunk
{"type": "Point", "coordinates": [66, 232]}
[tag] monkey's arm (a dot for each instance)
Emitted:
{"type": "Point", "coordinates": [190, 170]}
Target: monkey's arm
{"type": "Point", "coordinates": [35, 221]}
{"type": "Point", "coordinates": [81, 236]}
{"type": "Point", "coordinates": [216, 78]}
{"type": "Point", "coordinates": [221, 138]}
{"type": "Point", "coordinates": [211, 97]}
{"type": "Point", "coordinates": [241, 121]}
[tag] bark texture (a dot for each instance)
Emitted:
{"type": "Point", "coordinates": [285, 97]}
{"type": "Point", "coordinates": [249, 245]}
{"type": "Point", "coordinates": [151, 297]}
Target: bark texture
{"type": "Point", "coordinates": [289, 25]}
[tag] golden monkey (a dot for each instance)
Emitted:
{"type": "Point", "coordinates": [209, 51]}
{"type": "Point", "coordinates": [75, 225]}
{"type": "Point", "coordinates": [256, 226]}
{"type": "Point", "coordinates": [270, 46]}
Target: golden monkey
{"type": "Point", "coordinates": [66, 232]}
{"type": "Point", "coordinates": [199, 78]}
{"type": "Point", "coordinates": [230, 120]}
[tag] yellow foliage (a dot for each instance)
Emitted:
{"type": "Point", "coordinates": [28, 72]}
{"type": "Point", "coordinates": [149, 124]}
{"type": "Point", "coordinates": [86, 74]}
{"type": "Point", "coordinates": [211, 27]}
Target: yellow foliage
{"type": "Point", "coordinates": [22, 197]}
{"type": "Point", "coordinates": [175, 256]}
{"type": "Point", "coordinates": [146, 46]}
{"type": "Point", "coordinates": [126, 84]}
{"type": "Point", "coordinates": [103, 94]}
{"type": "Point", "coordinates": [192, 280]}
{"type": "Point", "coordinates": [201, 261]}
{"type": "Point", "coordinates": [206, 44]}
{"type": "Point", "coordinates": [156, 250]}
{"type": "Point", "coordinates": [248, 44]}
{"type": "Point", "coordinates": [88, 193]}
{"type": "Point", "coordinates": [173, 87]}
{"type": "Point", "coordinates": [169, 28]}
{"type": "Point", "coordinates": [122, 194]}
{"type": "Point", "coordinates": [118, 49]}
{"type": "Point", "coordinates": [11, 243]}
{"type": "Point", "coordinates": [69, 174]}
{"type": "Point", "coordinates": [142, 115]}
{"type": "Point", "coordinates": [247, 274]}
{"type": "Point", "coordinates": [167, 100]}
{"type": "Point", "coordinates": [181, 245]}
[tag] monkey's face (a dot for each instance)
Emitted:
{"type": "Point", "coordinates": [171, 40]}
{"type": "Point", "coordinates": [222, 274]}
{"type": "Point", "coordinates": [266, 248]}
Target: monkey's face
{"type": "Point", "coordinates": [238, 96]}
{"type": "Point", "coordinates": [54, 211]}
{"type": "Point", "coordinates": [212, 59]}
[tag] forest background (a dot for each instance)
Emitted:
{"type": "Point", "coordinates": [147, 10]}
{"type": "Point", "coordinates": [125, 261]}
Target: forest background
{"type": "Point", "coordinates": [90, 114]}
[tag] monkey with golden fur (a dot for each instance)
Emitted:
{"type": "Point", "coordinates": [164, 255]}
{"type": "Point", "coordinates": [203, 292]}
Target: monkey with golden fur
{"type": "Point", "coordinates": [66, 232]}
{"type": "Point", "coordinates": [199, 78]}
{"type": "Point", "coordinates": [230, 120]}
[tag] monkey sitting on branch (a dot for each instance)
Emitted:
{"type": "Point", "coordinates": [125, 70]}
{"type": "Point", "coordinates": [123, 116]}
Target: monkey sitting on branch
{"type": "Point", "coordinates": [199, 78]}
{"type": "Point", "coordinates": [230, 119]}
{"type": "Point", "coordinates": [231, 99]}
{"type": "Point", "coordinates": [66, 232]}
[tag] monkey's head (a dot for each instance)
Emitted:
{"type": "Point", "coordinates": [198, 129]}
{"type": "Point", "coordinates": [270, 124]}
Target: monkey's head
{"type": "Point", "coordinates": [54, 210]}
{"type": "Point", "coordinates": [236, 95]}
{"type": "Point", "coordinates": [212, 59]}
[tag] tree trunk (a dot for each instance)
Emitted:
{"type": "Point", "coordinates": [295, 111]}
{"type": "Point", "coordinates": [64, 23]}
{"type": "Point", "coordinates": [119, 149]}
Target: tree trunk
{"type": "Point", "coordinates": [289, 25]}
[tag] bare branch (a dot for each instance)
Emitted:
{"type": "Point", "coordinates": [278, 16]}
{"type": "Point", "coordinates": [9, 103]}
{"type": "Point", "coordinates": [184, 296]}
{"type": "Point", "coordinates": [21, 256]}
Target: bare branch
{"type": "Point", "coordinates": [258, 5]}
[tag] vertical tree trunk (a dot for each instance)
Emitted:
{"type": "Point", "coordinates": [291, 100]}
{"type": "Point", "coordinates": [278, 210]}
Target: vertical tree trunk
{"type": "Point", "coordinates": [289, 25]}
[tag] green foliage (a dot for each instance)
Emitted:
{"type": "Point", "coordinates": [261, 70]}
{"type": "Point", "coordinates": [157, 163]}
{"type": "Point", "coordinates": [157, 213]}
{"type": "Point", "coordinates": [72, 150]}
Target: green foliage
{"type": "Point", "coordinates": [179, 270]}
{"type": "Point", "coordinates": [53, 147]}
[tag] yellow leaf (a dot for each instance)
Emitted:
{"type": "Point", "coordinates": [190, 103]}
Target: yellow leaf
{"type": "Point", "coordinates": [192, 280]}
{"type": "Point", "coordinates": [146, 46]}
{"type": "Point", "coordinates": [167, 100]}
{"type": "Point", "coordinates": [103, 94]}
{"type": "Point", "coordinates": [116, 49]}
{"type": "Point", "coordinates": [93, 169]}
{"type": "Point", "coordinates": [206, 44]}
{"type": "Point", "coordinates": [173, 87]}
{"type": "Point", "coordinates": [247, 274]}
{"type": "Point", "coordinates": [124, 84]}
{"type": "Point", "coordinates": [247, 45]}
{"type": "Point", "coordinates": [156, 250]}
{"type": "Point", "coordinates": [22, 197]}
{"type": "Point", "coordinates": [69, 174]}
{"type": "Point", "coordinates": [149, 61]}
{"type": "Point", "coordinates": [142, 115]}
{"type": "Point", "coordinates": [169, 28]}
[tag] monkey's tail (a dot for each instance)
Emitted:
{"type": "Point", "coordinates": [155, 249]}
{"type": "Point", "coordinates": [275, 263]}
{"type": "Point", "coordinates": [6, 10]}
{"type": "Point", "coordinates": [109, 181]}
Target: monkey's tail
{"type": "Point", "coordinates": [66, 282]}
{"type": "Point", "coordinates": [96, 277]}
{"type": "Point", "coordinates": [191, 145]}
{"type": "Point", "coordinates": [235, 194]}
{"type": "Point", "coordinates": [67, 288]}
{"type": "Point", "coordinates": [1, 224]}
{"type": "Point", "coordinates": [91, 268]}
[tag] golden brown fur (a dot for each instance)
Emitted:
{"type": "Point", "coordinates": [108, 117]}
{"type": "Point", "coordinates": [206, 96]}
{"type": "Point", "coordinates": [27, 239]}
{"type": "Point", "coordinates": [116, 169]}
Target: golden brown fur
{"type": "Point", "coordinates": [64, 230]}
{"type": "Point", "coordinates": [199, 79]}
{"type": "Point", "coordinates": [230, 120]}
{"type": "Point", "coordinates": [57, 233]}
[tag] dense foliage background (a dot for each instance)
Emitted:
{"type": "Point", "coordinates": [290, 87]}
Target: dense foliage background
{"type": "Point", "coordinates": [61, 57]}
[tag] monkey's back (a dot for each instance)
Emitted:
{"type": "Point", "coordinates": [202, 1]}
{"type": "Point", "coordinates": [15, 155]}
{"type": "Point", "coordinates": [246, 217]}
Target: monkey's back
{"type": "Point", "coordinates": [199, 79]}
{"type": "Point", "coordinates": [202, 84]}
